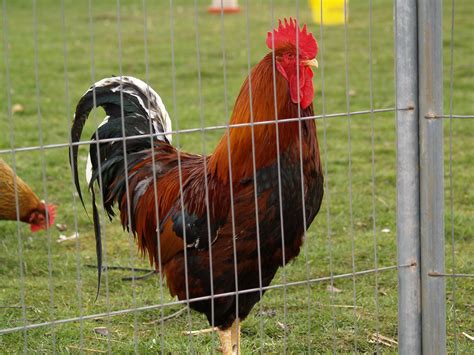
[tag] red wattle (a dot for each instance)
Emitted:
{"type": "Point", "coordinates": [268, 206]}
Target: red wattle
{"type": "Point", "coordinates": [306, 89]}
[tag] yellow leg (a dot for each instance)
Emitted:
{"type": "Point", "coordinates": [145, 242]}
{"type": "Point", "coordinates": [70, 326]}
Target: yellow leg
{"type": "Point", "coordinates": [236, 336]}
{"type": "Point", "coordinates": [226, 341]}
{"type": "Point", "coordinates": [230, 339]}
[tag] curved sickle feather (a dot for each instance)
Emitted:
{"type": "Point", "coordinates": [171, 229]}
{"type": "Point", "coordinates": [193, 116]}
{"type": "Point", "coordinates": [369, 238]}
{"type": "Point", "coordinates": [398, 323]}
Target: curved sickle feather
{"type": "Point", "coordinates": [82, 112]}
{"type": "Point", "coordinates": [120, 97]}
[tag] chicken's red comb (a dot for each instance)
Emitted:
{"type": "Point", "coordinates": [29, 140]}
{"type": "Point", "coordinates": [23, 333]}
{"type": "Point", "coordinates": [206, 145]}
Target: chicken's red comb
{"type": "Point", "coordinates": [286, 33]}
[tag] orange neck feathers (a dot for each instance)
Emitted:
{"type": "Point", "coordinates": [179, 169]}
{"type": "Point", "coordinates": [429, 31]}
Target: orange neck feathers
{"type": "Point", "coordinates": [239, 139]}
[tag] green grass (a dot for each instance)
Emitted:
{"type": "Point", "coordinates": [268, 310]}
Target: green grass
{"type": "Point", "coordinates": [50, 284]}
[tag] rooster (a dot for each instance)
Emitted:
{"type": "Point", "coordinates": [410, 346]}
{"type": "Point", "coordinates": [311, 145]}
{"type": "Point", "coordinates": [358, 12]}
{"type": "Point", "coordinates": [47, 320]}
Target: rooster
{"type": "Point", "coordinates": [31, 210]}
{"type": "Point", "coordinates": [246, 242]}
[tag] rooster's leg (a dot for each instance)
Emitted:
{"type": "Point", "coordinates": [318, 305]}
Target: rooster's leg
{"type": "Point", "coordinates": [230, 339]}
{"type": "Point", "coordinates": [226, 341]}
{"type": "Point", "coordinates": [236, 336]}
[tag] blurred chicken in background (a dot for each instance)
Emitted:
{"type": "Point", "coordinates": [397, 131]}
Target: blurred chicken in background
{"type": "Point", "coordinates": [32, 210]}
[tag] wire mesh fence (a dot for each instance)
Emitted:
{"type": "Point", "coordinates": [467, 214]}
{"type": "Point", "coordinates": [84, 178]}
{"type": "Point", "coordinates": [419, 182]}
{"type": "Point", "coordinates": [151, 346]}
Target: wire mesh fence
{"type": "Point", "coordinates": [339, 294]}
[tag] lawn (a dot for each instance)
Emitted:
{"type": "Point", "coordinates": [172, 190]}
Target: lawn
{"type": "Point", "coordinates": [49, 62]}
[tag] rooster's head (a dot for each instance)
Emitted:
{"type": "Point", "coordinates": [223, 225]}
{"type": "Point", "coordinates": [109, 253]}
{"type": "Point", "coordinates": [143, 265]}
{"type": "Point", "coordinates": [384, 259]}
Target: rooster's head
{"type": "Point", "coordinates": [295, 53]}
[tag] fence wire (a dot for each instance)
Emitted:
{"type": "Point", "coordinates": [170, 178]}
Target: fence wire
{"type": "Point", "coordinates": [284, 284]}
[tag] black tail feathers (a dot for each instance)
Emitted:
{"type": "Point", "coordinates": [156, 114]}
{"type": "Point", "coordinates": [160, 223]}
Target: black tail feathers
{"type": "Point", "coordinates": [134, 110]}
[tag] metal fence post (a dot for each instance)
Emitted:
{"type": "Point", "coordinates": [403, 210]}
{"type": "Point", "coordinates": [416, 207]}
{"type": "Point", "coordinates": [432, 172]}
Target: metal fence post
{"type": "Point", "coordinates": [408, 181]}
{"type": "Point", "coordinates": [430, 76]}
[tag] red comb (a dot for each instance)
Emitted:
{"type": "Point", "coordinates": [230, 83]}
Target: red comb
{"type": "Point", "coordinates": [286, 33]}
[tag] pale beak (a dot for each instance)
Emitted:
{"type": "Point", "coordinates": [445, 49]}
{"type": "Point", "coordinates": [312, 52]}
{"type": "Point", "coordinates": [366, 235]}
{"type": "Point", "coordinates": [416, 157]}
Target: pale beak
{"type": "Point", "coordinates": [311, 62]}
